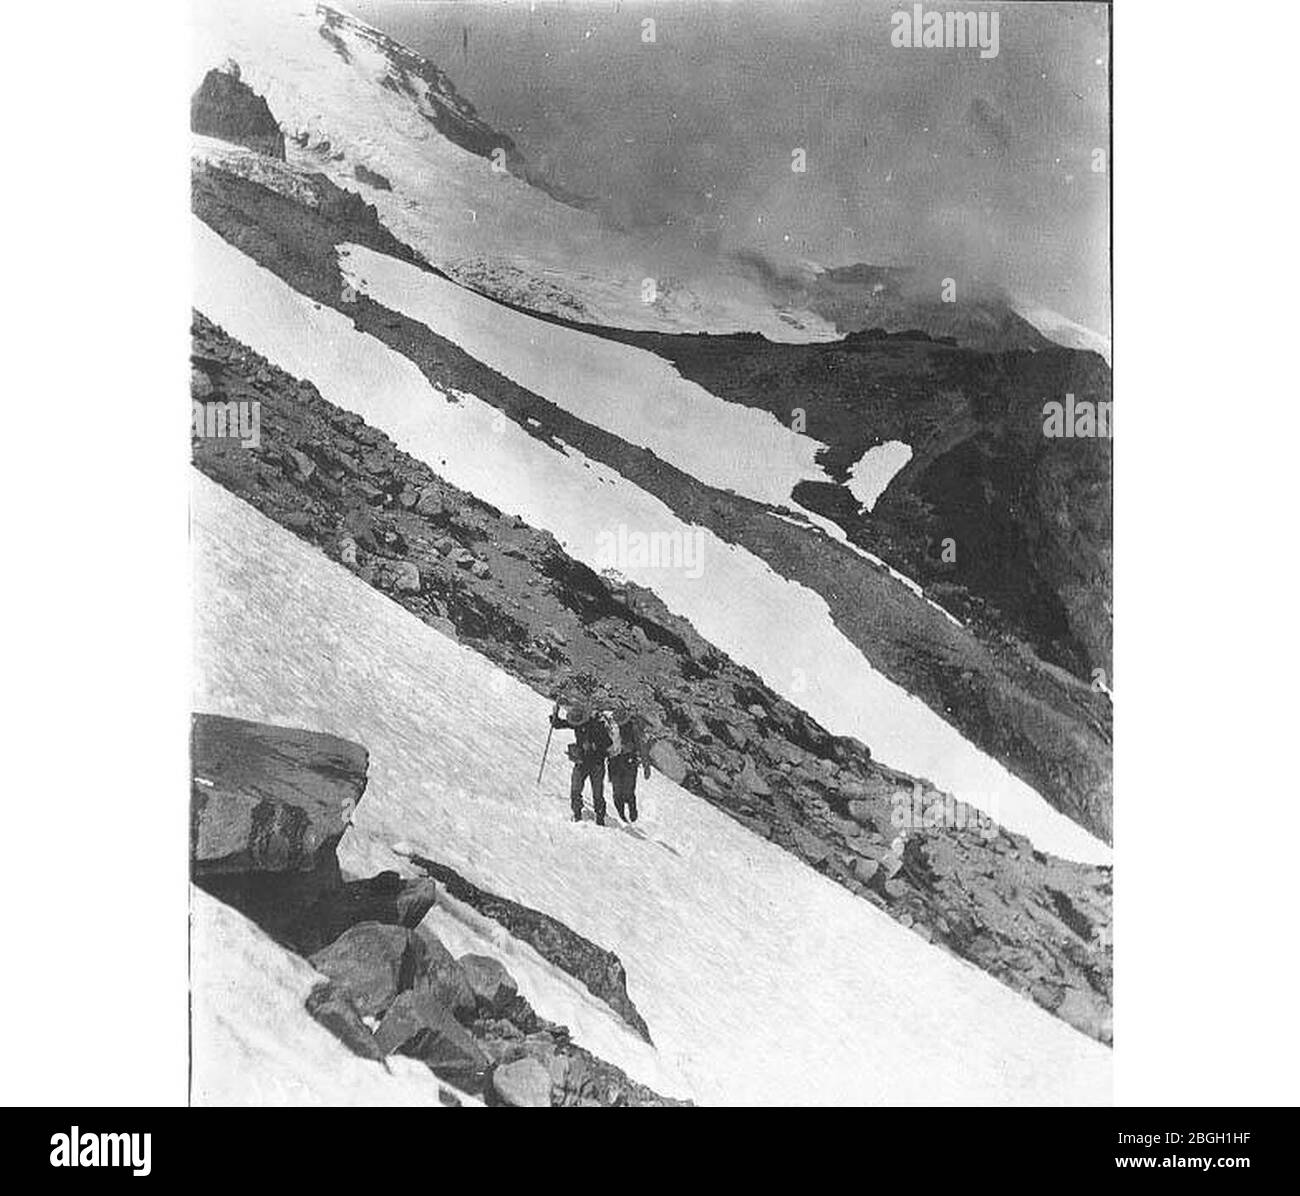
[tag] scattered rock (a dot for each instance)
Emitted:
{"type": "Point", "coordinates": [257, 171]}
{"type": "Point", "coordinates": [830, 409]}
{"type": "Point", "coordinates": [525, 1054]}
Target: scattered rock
{"type": "Point", "coordinates": [406, 577]}
{"type": "Point", "coordinates": [429, 503]}
{"type": "Point", "coordinates": [446, 978]}
{"type": "Point", "coordinates": [865, 870]}
{"type": "Point", "coordinates": [201, 387]}
{"type": "Point", "coordinates": [524, 1084]}
{"type": "Point", "coordinates": [493, 987]}
{"type": "Point", "coordinates": [339, 1016]}
{"type": "Point", "coordinates": [811, 847]}
{"type": "Point", "coordinates": [370, 963]}
{"type": "Point", "coordinates": [418, 1026]}
{"type": "Point", "coordinates": [303, 466]}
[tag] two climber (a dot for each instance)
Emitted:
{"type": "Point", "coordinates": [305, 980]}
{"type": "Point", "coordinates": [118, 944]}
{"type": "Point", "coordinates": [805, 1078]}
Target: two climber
{"type": "Point", "coordinates": [608, 737]}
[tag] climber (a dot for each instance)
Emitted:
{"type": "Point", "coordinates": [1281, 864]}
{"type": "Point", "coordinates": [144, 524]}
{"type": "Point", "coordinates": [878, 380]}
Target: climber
{"type": "Point", "coordinates": [591, 743]}
{"type": "Point", "coordinates": [628, 751]}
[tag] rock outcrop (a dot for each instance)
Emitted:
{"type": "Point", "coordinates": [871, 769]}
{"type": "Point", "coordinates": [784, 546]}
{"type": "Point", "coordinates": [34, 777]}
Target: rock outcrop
{"type": "Point", "coordinates": [269, 799]}
{"type": "Point", "coordinates": [270, 805]}
{"type": "Point", "coordinates": [225, 106]}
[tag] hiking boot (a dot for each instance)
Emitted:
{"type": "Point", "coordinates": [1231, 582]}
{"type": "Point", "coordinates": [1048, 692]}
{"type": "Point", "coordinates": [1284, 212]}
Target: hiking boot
{"type": "Point", "coordinates": [577, 817]}
{"type": "Point", "coordinates": [631, 810]}
{"type": "Point", "coordinates": [600, 819]}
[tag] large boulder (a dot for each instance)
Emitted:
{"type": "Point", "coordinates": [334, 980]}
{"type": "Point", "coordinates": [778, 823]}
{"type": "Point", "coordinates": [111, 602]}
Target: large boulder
{"type": "Point", "coordinates": [523, 1084]}
{"type": "Point", "coordinates": [418, 1025]}
{"type": "Point", "coordinates": [268, 806]}
{"type": "Point", "coordinates": [371, 964]}
{"type": "Point", "coordinates": [493, 987]}
{"type": "Point", "coordinates": [266, 798]}
{"type": "Point", "coordinates": [666, 759]}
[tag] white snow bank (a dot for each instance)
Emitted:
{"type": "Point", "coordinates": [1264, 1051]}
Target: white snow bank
{"type": "Point", "coordinates": [762, 981]}
{"type": "Point", "coordinates": [872, 474]}
{"type": "Point", "coordinates": [780, 629]}
{"type": "Point", "coordinates": [254, 1043]}
{"type": "Point", "coordinates": [630, 392]}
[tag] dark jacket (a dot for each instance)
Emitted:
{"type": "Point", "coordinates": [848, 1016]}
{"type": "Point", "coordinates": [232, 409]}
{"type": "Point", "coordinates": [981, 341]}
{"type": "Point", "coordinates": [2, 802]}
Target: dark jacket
{"type": "Point", "coordinates": [589, 737]}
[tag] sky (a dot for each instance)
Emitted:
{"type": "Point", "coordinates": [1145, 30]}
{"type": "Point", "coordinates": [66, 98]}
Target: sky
{"type": "Point", "coordinates": [931, 157]}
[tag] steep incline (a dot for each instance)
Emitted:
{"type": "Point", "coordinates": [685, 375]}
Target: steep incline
{"type": "Point", "coordinates": [734, 599]}
{"type": "Point", "coordinates": [762, 982]}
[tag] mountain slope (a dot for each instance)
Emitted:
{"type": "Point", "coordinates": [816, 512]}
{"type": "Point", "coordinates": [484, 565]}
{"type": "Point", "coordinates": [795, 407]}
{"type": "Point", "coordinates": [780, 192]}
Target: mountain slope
{"type": "Point", "coordinates": [1038, 924]}
{"type": "Point", "coordinates": [736, 601]}
{"type": "Point", "coordinates": [761, 981]}
{"type": "Point", "coordinates": [356, 104]}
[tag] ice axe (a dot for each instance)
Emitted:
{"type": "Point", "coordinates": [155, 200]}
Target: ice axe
{"type": "Point", "coordinates": [547, 748]}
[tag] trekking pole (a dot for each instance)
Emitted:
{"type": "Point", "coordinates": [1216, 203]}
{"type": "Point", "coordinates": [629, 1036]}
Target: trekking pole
{"type": "Point", "coordinates": [547, 748]}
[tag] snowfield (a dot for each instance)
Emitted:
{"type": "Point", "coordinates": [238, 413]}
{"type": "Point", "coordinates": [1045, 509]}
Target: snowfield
{"type": "Point", "coordinates": [780, 629]}
{"type": "Point", "coordinates": [486, 227]}
{"type": "Point", "coordinates": [630, 392]}
{"type": "Point", "coordinates": [253, 1042]}
{"type": "Point", "coordinates": [869, 477]}
{"type": "Point", "coordinates": [762, 982]}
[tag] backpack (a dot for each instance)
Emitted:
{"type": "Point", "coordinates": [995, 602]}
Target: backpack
{"type": "Point", "coordinates": [593, 737]}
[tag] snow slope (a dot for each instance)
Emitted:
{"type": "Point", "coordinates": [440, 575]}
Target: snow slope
{"type": "Point", "coordinates": [483, 226]}
{"type": "Point", "coordinates": [253, 1042]}
{"type": "Point", "coordinates": [631, 392]}
{"type": "Point", "coordinates": [762, 982]}
{"type": "Point", "coordinates": [870, 476]}
{"type": "Point", "coordinates": [1062, 329]}
{"type": "Point", "coordinates": [780, 629]}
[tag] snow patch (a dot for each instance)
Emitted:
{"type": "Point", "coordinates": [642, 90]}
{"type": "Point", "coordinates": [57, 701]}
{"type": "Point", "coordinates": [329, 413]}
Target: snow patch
{"type": "Point", "coordinates": [870, 476]}
{"type": "Point", "coordinates": [635, 394]}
